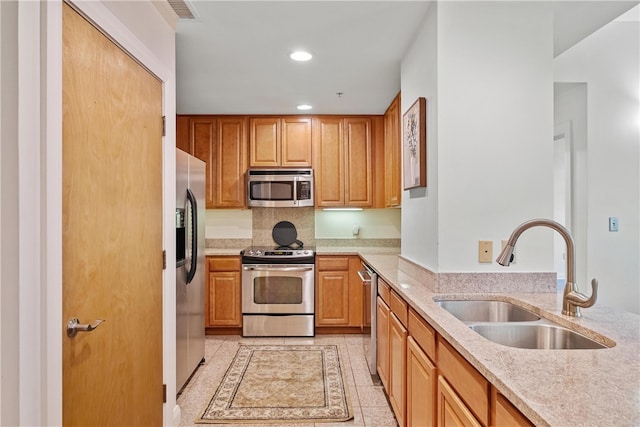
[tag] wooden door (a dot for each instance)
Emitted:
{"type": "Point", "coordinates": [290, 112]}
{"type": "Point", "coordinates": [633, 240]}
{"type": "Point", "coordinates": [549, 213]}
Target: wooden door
{"type": "Point", "coordinates": [223, 304]}
{"type": "Point", "coordinates": [359, 162]}
{"type": "Point", "coordinates": [203, 146]}
{"type": "Point", "coordinates": [296, 142]}
{"type": "Point", "coordinates": [382, 323]}
{"type": "Point", "coordinates": [452, 412]}
{"type": "Point", "coordinates": [421, 387]}
{"type": "Point", "coordinates": [392, 149]}
{"type": "Point", "coordinates": [397, 368]}
{"type": "Point", "coordinates": [264, 141]}
{"type": "Point", "coordinates": [328, 161]}
{"type": "Point", "coordinates": [111, 232]}
{"type": "Point", "coordinates": [332, 298]}
{"type": "Point", "coordinates": [231, 164]}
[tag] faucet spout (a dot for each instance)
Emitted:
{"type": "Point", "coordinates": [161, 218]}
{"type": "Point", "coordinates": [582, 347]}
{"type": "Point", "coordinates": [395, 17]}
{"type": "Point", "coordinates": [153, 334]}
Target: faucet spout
{"type": "Point", "coordinates": [572, 299]}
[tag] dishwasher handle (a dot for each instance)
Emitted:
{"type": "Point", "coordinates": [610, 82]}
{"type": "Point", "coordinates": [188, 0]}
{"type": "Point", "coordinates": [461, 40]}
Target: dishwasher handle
{"type": "Point", "coordinates": [363, 278]}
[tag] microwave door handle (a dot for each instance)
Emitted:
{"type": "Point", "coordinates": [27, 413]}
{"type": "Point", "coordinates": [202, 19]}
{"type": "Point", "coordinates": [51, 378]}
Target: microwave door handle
{"type": "Point", "coordinates": [194, 235]}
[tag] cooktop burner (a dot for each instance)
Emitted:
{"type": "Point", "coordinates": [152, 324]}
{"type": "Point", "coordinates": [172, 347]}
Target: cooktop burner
{"type": "Point", "coordinates": [278, 253]}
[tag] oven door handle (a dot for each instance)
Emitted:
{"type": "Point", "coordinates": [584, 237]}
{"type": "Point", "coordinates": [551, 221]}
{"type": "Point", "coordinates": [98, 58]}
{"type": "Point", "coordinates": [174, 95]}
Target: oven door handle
{"type": "Point", "coordinates": [271, 268]}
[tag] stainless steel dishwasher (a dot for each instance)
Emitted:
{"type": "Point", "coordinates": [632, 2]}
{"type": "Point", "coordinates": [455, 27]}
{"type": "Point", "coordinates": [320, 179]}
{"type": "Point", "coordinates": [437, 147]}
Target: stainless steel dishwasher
{"type": "Point", "coordinates": [370, 294]}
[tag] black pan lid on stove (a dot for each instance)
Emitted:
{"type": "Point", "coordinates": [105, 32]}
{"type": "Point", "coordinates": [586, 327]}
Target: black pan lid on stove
{"type": "Point", "coordinates": [285, 234]}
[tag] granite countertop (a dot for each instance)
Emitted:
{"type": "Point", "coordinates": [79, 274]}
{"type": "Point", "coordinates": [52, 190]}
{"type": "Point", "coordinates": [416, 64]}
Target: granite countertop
{"type": "Point", "coordinates": [320, 250]}
{"type": "Point", "coordinates": [222, 251]}
{"type": "Point", "coordinates": [551, 387]}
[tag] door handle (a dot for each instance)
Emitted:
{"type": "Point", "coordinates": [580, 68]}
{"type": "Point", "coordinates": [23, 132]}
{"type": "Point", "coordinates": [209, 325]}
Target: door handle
{"type": "Point", "coordinates": [74, 326]}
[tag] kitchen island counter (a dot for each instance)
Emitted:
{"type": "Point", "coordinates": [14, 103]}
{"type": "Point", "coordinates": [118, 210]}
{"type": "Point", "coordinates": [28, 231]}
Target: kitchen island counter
{"type": "Point", "coordinates": [551, 387]}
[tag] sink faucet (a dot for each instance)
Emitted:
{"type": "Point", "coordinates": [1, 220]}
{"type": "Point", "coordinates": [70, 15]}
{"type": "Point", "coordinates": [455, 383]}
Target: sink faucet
{"type": "Point", "coordinates": [572, 300]}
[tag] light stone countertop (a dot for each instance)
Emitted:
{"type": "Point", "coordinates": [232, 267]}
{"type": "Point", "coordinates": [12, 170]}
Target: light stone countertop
{"type": "Point", "coordinates": [320, 250]}
{"type": "Point", "coordinates": [222, 251]}
{"type": "Point", "coordinates": [551, 387]}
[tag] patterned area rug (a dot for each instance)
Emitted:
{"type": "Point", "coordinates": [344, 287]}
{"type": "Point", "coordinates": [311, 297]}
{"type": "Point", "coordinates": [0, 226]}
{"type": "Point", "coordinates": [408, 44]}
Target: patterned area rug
{"type": "Point", "coordinates": [281, 384]}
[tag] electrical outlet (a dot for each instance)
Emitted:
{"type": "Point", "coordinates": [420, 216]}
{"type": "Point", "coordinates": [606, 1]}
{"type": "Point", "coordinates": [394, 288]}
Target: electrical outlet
{"type": "Point", "coordinates": [485, 251]}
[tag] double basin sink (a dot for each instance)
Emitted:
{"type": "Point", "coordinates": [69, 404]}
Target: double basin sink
{"type": "Point", "coordinates": [514, 326]}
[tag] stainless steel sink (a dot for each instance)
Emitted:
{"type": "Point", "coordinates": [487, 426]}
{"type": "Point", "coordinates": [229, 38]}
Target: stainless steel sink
{"type": "Point", "coordinates": [472, 311]}
{"type": "Point", "coordinates": [535, 336]}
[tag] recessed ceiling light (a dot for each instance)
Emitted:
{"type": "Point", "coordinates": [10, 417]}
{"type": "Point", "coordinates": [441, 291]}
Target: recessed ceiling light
{"type": "Point", "coordinates": [300, 55]}
{"type": "Point", "coordinates": [304, 107]}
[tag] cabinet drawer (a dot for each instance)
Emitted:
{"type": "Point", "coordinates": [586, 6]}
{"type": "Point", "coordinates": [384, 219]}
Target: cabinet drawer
{"type": "Point", "coordinates": [504, 413]}
{"type": "Point", "coordinates": [470, 385]}
{"type": "Point", "coordinates": [384, 290]}
{"type": "Point", "coordinates": [332, 263]}
{"type": "Point", "coordinates": [423, 333]}
{"type": "Point", "coordinates": [230, 263]}
{"type": "Point", "coordinates": [399, 307]}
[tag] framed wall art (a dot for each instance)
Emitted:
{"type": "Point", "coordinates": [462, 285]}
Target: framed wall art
{"type": "Point", "coordinates": [414, 145]}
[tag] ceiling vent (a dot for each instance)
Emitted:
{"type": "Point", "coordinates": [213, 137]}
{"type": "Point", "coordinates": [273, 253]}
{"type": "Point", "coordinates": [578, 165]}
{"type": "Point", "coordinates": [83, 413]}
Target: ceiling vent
{"type": "Point", "coordinates": [182, 9]}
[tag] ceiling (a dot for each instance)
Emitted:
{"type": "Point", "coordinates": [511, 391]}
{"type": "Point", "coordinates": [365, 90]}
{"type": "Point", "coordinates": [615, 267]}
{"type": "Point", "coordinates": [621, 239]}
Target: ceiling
{"type": "Point", "coordinates": [233, 58]}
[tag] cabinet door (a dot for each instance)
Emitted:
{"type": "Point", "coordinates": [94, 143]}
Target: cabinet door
{"type": "Point", "coordinates": [203, 146]}
{"type": "Point", "coordinates": [296, 142]}
{"type": "Point", "coordinates": [183, 141]}
{"type": "Point", "coordinates": [421, 387]}
{"type": "Point", "coordinates": [383, 342]}
{"type": "Point", "coordinates": [328, 160]}
{"type": "Point", "coordinates": [392, 150]}
{"type": "Point", "coordinates": [452, 411]}
{"type": "Point", "coordinates": [264, 142]}
{"type": "Point", "coordinates": [397, 368]}
{"type": "Point", "coordinates": [224, 307]}
{"type": "Point", "coordinates": [504, 414]}
{"type": "Point", "coordinates": [359, 162]}
{"type": "Point", "coordinates": [231, 163]}
{"type": "Point", "coordinates": [332, 298]}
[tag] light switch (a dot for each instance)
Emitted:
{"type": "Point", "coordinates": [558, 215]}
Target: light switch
{"type": "Point", "coordinates": [613, 223]}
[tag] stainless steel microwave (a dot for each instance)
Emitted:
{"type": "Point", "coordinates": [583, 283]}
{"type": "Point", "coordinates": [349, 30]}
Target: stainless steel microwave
{"type": "Point", "coordinates": [280, 188]}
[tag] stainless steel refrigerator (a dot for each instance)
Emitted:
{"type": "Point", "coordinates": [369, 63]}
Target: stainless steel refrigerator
{"type": "Point", "coordinates": [190, 262]}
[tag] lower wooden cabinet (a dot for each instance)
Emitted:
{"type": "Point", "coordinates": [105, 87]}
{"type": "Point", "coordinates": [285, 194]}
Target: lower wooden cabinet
{"type": "Point", "coordinates": [468, 383]}
{"type": "Point", "coordinates": [451, 410]}
{"type": "Point", "coordinates": [338, 292]}
{"type": "Point", "coordinates": [223, 302]}
{"type": "Point", "coordinates": [428, 382]}
{"type": "Point", "coordinates": [383, 313]}
{"type": "Point", "coordinates": [421, 387]}
{"type": "Point", "coordinates": [504, 414]}
{"type": "Point", "coordinates": [397, 368]}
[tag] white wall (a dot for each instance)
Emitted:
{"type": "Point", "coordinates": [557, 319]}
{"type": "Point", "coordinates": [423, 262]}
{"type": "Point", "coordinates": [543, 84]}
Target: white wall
{"type": "Point", "coordinates": [419, 78]}
{"type": "Point", "coordinates": [9, 355]}
{"type": "Point", "coordinates": [570, 112]}
{"type": "Point", "coordinates": [608, 61]}
{"type": "Point", "coordinates": [491, 160]}
{"type": "Point", "coordinates": [371, 223]}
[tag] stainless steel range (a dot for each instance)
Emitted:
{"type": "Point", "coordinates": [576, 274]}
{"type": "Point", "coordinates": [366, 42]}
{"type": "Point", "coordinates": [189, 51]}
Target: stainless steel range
{"type": "Point", "coordinates": [278, 292]}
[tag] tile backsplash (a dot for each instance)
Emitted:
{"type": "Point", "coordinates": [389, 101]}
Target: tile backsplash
{"type": "Point", "coordinates": [264, 219]}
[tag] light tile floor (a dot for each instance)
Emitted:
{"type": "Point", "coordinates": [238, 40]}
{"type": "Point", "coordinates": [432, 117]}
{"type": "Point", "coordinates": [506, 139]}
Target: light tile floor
{"type": "Point", "coordinates": [369, 403]}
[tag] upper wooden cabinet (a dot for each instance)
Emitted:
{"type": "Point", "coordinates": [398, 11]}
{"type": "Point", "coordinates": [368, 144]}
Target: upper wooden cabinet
{"type": "Point", "coordinates": [344, 160]}
{"type": "Point", "coordinates": [276, 141]}
{"type": "Point", "coordinates": [392, 151]}
{"type": "Point", "coordinates": [221, 142]}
